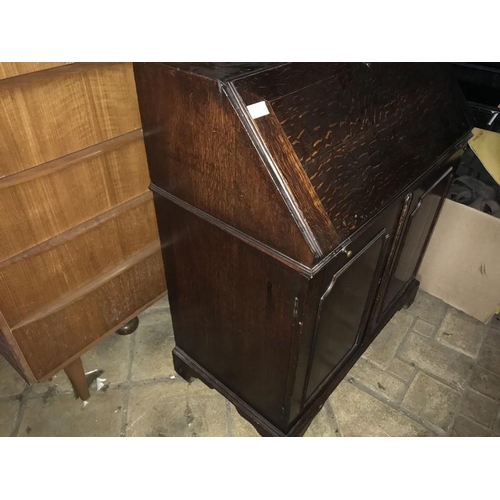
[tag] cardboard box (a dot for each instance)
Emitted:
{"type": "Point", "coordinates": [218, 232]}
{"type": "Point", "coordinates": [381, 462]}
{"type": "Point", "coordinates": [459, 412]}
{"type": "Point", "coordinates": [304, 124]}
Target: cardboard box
{"type": "Point", "coordinates": [462, 262]}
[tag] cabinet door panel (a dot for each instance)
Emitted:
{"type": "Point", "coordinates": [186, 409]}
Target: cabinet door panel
{"type": "Point", "coordinates": [418, 229]}
{"type": "Point", "coordinates": [343, 311]}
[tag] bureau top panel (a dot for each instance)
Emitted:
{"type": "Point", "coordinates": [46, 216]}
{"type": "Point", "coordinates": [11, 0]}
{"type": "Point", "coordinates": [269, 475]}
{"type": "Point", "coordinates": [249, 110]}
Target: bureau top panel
{"type": "Point", "coordinates": [223, 71]}
{"type": "Point", "coordinates": [362, 132]}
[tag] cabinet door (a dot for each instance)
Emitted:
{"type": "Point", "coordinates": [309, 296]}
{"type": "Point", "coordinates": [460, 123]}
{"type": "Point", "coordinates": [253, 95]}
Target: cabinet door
{"type": "Point", "coordinates": [343, 312]}
{"type": "Point", "coordinates": [417, 233]}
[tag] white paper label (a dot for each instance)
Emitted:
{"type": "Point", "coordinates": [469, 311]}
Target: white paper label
{"type": "Point", "coordinates": [258, 109]}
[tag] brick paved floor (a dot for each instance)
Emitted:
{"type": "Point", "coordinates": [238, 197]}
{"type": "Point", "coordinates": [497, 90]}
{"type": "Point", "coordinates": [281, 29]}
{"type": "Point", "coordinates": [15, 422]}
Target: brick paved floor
{"type": "Point", "coordinates": [432, 371]}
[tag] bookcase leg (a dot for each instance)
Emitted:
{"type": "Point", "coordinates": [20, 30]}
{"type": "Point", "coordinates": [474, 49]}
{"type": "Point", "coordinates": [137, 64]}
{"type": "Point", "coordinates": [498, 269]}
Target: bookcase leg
{"type": "Point", "coordinates": [129, 328]}
{"type": "Point", "coordinates": [183, 370]}
{"type": "Point", "coordinates": [76, 375]}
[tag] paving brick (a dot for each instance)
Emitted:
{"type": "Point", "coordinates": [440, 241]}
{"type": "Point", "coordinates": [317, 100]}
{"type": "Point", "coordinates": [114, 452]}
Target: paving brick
{"type": "Point", "coordinates": [64, 416]}
{"type": "Point", "coordinates": [431, 400]}
{"type": "Point", "coordinates": [208, 411]}
{"type": "Point", "coordinates": [437, 359]}
{"type": "Point", "coordinates": [496, 427]}
{"type": "Point", "coordinates": [11, 383]}
{"type": "Point", "coordinates": [152, 357]}
{"type": "Point", "coordinates": [158, 410]}
{"type": "Point", "coordinates": [160, 406]}
{"type": "Point", "coordinates": [486, 383]}
{"type": "Point", "coordinates": [241, 427]}
{"type": "Point", "coordinates": [112, 356]}
{"type": "Point", "coordinates": [57, 383]}
{"type": "Point", "coordinates": [175, 408]}
{"type": "Point", "coordinates": [384, 347]}
{"type": "Point", "coordinates": [495, 323]}
{"type": "Point", "coordinates": [429, 308]}
{"type": "Point", "coordinates": [401, 369]}
{"type": "Point", "coordinates": [493, 338]}
{"type": "Point", "coordinates": [8, 414]}
{"type": "Point", "coordinates": [360, 414]}
{"type": "Point", "coordinates": [464, 427]}
{"type": "Point", "coordinates": [323, 425]}
{"type": "Point", "coordinates": [479, 408]}
{"type": "Point", "coordinates": [489, 358]}
{"type": "Point", "coordinates": [378, 381]}
{"type": "Point", "coordinates": [462, 332]}
{"type": "Point", "coordinates": [424, 328]}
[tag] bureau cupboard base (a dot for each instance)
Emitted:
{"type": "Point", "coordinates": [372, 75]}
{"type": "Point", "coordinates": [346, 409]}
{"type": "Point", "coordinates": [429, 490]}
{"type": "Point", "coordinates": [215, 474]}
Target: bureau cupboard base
{"type": "Point", "coordinates": [189, 369]}
{"type": "Point", "coordinates": [291, 238]}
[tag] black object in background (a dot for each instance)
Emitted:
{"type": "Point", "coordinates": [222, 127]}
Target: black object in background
{"type": "Point", "coordinates": [480, 83]}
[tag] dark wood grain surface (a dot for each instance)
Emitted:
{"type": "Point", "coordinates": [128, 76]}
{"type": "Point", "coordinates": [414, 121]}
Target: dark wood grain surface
{"type": "Point", "coordinates": [355, 147]}
{"type": "Point", "coordinates": [298, 182]}
{"type": "Point", "coordinates": [362, 132]}
{"type": "Point", "coordinates": [222, 71]}
{"type": "Point", "coordinates": [199, 152]}
{"type": "Point", "coordinates": [232, 307]}
{"type": "Point", "coordinates": [286, 79]}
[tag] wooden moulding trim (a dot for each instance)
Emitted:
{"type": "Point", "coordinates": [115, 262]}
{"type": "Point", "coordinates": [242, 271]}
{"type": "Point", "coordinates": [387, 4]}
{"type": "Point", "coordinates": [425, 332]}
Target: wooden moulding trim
{"type": "Point", "coordinates": [284, 259]}
{"type": "Point", "coordinates": [102, 337]}
{"type": "Point", "coordinates": [298, 180]}
{"type": "Point", "coordinates": [90, 286]}
{"type": "Point", "coordinates": [274, 172]}
{"type": "Point", "coordinates": [308, 272]}
{"type": "Point", "coordinates": [65, 161]}
{"type": "Point", "coordinates": [78, 230]}
{"type": "Point", "coordinates": [391, 259]}
{"type": "Point", "coordinates": [15, 349]}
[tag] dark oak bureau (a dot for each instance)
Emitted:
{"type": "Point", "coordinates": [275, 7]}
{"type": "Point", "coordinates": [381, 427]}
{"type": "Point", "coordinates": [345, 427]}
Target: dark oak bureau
{"type": "Point", "coordinates": [294, 203]}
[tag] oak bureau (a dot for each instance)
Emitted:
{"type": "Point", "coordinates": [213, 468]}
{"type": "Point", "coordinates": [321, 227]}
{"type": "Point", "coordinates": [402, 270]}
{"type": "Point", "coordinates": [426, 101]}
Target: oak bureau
{"type": "Point", "coordinates": [294, 203]}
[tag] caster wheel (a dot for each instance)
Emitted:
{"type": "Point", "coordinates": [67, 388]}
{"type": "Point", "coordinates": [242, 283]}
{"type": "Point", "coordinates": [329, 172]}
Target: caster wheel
{"type": "Point", "coordinates": [129, 328]}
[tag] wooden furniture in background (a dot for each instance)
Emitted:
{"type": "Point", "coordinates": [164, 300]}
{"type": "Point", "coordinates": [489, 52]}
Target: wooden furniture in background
{"type": "Point", "coordinates": [292, 236]}
{"type": "Point", "coordinates": [79, 253]}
